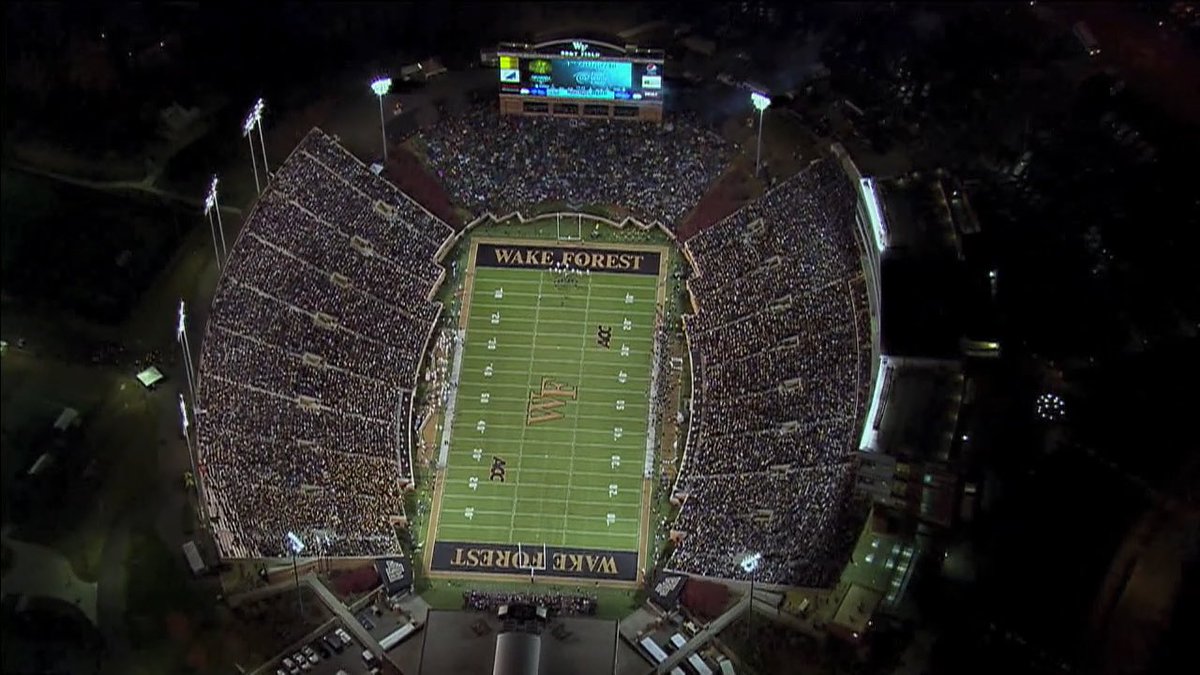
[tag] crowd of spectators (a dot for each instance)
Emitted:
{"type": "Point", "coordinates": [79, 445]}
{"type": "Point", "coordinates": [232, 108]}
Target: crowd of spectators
{"type": "Point", "coordinates": [505, 163]}
{"type": "Point", "coordinates": [310, 358]}
{"type": "Point", "coordinates": [781, 351]}
{"type": "Point", "coordinates": [556, 604]}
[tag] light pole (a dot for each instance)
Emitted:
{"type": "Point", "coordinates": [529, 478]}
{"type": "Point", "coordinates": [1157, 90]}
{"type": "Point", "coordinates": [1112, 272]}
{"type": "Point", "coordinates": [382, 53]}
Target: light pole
{"type": "Point", "coordinates": [760, 102]}
{"type": "Point", "coordinates": [248, 132]}
{"type": "Point", "coordinates": [381, 86]}
{"type": "Point", "coordinates": [296, 545]}
{"type": "Point", "coordinates": [182, 337]}
{"type": "Point", "coordinates": [211, 204]}
{"type": "Point", "coordinates": [254, 119]}
{"type": "Point", "coordinates": [749, 564]}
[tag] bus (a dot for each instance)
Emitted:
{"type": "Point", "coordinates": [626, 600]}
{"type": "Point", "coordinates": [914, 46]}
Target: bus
{"type": "Point", "coordinates": [656, 654]}
{"type": "Point", "coordinates": [675, 643]}
{"type": "Point", "coordinates": [397, 636]}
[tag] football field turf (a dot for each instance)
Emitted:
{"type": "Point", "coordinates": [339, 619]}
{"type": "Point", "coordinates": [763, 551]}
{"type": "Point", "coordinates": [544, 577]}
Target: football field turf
{"type": "Point", "coordinates": [549, 422]}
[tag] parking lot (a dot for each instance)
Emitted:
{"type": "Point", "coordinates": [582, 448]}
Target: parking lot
{"type": "Point", "coordinates": [338, 650]}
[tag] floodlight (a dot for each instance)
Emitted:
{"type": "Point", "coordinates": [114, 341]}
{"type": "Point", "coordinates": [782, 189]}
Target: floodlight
{"type": "Point", "coordinates": [253, 117]}
{"type": "Point", "coordinates": [750, 562]}
{"type": "Point", "coordinates": [760, 101]}
{"type": "Point", "coordinates": [183, 415]}
{"type": "Point", "coordinates": [210, 199]}
{"type": "Point", "coordinates": [180, 326]}
{"type": "Point", "coordinates": [381, 86]}
{"type": "Point", "coordinates": [295, 544]}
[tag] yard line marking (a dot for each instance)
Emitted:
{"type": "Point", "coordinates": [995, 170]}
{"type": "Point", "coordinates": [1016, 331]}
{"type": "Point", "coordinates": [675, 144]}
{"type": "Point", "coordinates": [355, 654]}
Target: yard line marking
{"type": "Point", "coordinates": [528, 383]}
{"type": "Point", "coordinates": [583, 533]}
{"type": "Point", "coordinates": [578, 502]}
{"type": "Point", "coordinates": [606, 432]}
{"type": "Point", "coordinates": [565, 335]}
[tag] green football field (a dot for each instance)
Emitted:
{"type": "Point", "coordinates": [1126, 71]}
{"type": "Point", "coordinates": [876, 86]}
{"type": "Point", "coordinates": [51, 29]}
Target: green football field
{"type": "Point", "coordinates": [548, 434]}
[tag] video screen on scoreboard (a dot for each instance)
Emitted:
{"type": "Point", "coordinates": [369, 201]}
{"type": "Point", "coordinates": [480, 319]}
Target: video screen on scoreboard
{"type": "Point", "coordinates": [555, 77]}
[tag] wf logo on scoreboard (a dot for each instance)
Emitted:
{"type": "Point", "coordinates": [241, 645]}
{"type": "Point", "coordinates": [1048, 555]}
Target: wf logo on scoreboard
{"type": "Point", "coordinates": [580, 48]}
{"type": "Point", "coordinates": [544, 403]}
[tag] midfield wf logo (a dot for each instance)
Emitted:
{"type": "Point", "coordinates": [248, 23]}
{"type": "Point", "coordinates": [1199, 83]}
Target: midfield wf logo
{"type": "Point", "coordinates": [544, 402]}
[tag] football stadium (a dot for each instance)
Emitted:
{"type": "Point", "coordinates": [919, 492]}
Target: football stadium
{"type": "Point", "coordinates": [545, 348]}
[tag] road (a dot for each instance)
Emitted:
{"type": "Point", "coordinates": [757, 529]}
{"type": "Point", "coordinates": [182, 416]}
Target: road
{"type": "Point", "coordinates": [709, 632]}
{"type": "Point", "coordinates": [352, 625]}
{"type": "Point", "coordinates": [145, 185]}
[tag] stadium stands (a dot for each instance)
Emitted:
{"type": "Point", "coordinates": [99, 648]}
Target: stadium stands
{"type": "Point", "coordinates": [509, 163]}
{"type": "Point", "coordinates": [781, 352]}
{"type": "Point", "coordinates": [310, 358]}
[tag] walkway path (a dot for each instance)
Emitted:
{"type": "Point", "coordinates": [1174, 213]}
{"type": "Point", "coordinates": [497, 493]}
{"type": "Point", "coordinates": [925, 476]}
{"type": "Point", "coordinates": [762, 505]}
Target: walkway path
{"type": "Point", "coordinates": [144, 185]}
{"type": "Point", "coordinates": [41, 571]}
{"type": "Point", "coordinates": [110, 600]}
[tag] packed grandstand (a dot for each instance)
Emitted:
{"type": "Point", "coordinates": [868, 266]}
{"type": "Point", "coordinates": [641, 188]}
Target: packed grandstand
{"type": "Point", "coordinates": [324, 311]}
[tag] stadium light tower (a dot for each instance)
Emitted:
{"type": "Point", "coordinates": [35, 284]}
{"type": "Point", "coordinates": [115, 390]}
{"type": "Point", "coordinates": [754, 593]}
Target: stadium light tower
{"type": "Point", "coordinates": [211, 206]}
{"type": "Point", "coordinates": [248, 133]}
{"type": "Point", "coordinates": [182, 337]}
{"type": "Point", "coordinates": [760, 102]}
{"type": "Point", "coordinates": [381, 86]}
{"type": "Point", "coordinates": [254, 119]}
{"type": "Point", "coordinates": [295, 544]}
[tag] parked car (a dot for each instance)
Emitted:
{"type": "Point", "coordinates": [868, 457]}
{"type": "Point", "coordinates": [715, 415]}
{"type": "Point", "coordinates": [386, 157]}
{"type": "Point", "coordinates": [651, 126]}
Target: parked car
{"type": "Point", "coordinates": [334, 642]}
{"type": "Point", "coordinates": [310, 654]}
{"type": "Point", "coordinates": [344, 637]}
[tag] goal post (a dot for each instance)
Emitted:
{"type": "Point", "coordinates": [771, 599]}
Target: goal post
{"type": "Point", "coordinates": [522, 554]}
{"type": "Point", "coordinates": [565, 233]}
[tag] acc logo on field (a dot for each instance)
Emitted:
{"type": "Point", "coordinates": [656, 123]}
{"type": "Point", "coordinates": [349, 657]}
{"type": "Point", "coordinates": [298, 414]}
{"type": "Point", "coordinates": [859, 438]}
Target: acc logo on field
{"type": "Point", "coordinates": [498, 465]}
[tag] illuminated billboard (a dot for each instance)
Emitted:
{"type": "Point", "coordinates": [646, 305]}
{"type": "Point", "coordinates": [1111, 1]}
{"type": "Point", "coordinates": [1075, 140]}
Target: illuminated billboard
{"type": "Point", "coordinates": [581, 71]}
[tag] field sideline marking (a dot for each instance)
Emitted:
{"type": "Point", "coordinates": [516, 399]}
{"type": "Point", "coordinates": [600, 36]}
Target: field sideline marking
{"type": "Point", "coordinates": [575, 431]}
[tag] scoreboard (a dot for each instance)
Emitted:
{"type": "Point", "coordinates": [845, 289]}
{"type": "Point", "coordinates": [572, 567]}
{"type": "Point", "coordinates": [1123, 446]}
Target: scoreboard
{"type": "Point", "coordinates": [580, 78]}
